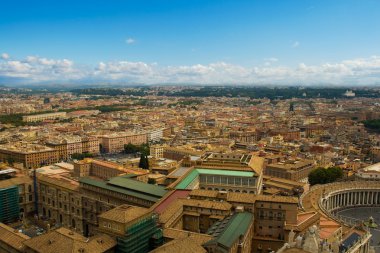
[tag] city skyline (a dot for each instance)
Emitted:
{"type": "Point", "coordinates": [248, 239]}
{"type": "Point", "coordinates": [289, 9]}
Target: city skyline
{"type": "Point", "coordinates": [197, 42]}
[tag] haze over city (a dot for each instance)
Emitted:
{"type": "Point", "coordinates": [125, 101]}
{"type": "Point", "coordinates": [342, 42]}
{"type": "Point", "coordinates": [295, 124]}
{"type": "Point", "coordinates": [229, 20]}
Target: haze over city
{"type": "Point", "coordinates": [190, 42]}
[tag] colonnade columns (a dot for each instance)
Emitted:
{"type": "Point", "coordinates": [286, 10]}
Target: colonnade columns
{"type": "Point", "coordinates": [365, 198]}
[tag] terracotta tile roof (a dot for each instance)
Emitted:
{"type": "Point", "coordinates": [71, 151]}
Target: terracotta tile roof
{"type": "Point", "coordinates": [277, 199]}
{"type": "Point", "coordinates": [61, 181]}
{"type": "Point", "coordinates": [207, 204]}
{"type": "Point", "coordinates": [161, 206]}
{"type": "Point", "coordinates": [251, 198]}
{"type": "Point", "coordinates": [183, 245]}
{"type": "Point", "coordinates": [327, 228]}
{"type": "Point", "coordinates": [243, 197]}
{"type": "Point", "coordinates": [257, 164]}
{"type": "Point", "coordinates": [11, 238]}
{"type": "Point", "coordinates": [171, 211]}
{"type": "Point", "coordinates": [173, 233]}
{"type": "Point", "coordinates": [204, 193]}
{"type": "Point", "coordinates": [15, 181]}
{"type": "Point", "coordinates": [63, 240]}
{"type": "Point", "coordinates": [124, 213]}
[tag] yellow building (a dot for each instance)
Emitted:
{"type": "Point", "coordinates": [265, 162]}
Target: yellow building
{"type": "Point", "coordinates": [30, 155]}
{"type": "Point", "coordinates": [60, 200]}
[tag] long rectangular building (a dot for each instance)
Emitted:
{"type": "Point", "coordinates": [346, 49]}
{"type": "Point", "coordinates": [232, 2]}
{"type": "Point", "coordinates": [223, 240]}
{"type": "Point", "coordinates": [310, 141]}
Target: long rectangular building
{"type": "Point", "coordinates": [44, 116]}
{"type": "Point", "coordinates": [30, 155]}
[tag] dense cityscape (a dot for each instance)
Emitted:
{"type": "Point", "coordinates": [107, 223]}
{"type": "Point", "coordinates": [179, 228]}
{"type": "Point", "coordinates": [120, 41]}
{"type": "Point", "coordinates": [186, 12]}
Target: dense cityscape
{"type": "Point", "coordinates": [202, 126]}
{"type": "Point", "coordinates": [158, 173]}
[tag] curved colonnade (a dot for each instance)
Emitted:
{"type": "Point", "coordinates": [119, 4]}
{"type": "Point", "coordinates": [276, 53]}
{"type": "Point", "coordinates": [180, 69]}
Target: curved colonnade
{"type": "Point", "coordinates": [334, 197]}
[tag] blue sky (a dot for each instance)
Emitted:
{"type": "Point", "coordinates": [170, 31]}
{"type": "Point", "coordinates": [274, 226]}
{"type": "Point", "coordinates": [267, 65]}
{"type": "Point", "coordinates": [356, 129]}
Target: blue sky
{"type": "Point", "coordinates": [197, 41]}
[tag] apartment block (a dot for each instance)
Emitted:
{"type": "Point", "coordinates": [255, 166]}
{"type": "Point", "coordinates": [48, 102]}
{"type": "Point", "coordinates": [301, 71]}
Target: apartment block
{"type": "Point", "coordinates": [114, 143]}
{"type": "Point", "coordinates": [291, 169]}
{"type": "Point", "coordinates": [30, 155]}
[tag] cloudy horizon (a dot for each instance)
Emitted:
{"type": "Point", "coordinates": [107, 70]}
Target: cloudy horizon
{"type": "Point", "coordinates": [34, 70]}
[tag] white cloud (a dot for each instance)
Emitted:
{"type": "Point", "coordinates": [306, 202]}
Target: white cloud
{"type": "Point", "coordinates": [269, 61]}
{"type": "Point", "coordinates": [295, 44]}
{"type": "Point", "coordinates": [35, 69]}
{"type": "Point", "coordinates": [130, 41]}
{"type": "Point", "coordinates": [4, 56]}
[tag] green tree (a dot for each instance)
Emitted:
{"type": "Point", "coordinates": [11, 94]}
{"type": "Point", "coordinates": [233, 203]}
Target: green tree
{"type": "Point", "coordinates": [144, 162]}
{"type": "Point", "coordinates": [78, 156]}
{"type": "Point", "coordinates": [144, 148]}
{"type": "Point", "coordinates": [151, 181]}
{"type": "Point", "coordinates": [130, 148]}
{"type": "Point", "coordinates": [317, 176]}
{"type": "Point", "coordinates": [324, 176]}
{"type": "Point", "coordinates": [333, 174]}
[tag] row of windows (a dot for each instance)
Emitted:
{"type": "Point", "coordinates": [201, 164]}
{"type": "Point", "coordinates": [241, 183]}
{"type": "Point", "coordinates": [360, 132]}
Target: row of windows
{"type": "Point", "coordinates": [30, 198]}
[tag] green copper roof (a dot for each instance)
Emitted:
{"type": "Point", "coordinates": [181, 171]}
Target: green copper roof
{"type": "Point", "coordinates": [187, 180]}
{"type": "Point", "coordinates": [195, 173]}
{"type": "Point", "coordinates": [127, 188]}
{"type": "Point", "coordinates": [134, 185]}
{"type": "Point", "coordinates": [227, 233]}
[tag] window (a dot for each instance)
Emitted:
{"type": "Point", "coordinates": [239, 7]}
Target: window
{"type": "Point", "coordinates": [30, 197]}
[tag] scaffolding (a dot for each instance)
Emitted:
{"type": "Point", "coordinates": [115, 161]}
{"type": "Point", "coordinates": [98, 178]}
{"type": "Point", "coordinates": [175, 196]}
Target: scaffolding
{"type": "Point", "coordinates": [141, 237]}
{"type": "Point", "coordinates": [9, 204]}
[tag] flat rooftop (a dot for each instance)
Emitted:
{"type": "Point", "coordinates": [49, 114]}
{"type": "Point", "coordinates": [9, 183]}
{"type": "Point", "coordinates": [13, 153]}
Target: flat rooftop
{"type": "Point", "coordinates": [185, 182]}
{"type": "Point", "coordinates": [25, 148]}
{"type": "Point", "coordinates": [127, 186]}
